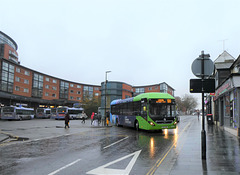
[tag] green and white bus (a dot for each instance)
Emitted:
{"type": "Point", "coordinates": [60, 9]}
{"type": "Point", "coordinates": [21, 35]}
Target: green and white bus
{"type": "Point", "coordinates": [147, 111]}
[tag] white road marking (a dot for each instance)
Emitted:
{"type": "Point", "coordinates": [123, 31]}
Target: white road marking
{"type": "Point", "coordinates": [115, 143]}
{"type": "Point", "coordinates": [60, 169]}
{"type": "Point", "coordinates": [102, 170]}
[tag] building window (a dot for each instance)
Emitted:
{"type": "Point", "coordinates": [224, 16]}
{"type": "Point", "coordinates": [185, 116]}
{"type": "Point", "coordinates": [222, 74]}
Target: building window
{"type": "Point", "coordinates": [79, 86]}
{"type": "Point", "coordinates": [37, 89]}
{"type": "Point", "coordinates": [46, 94]}
{"type": "Point", "coordinates": [96, 89]}
{"type": "Point", "coordinates": [163, 88]}
{"type": "Point", "coordinates": [17, 79]}
{"type": "Point", "coordinates": [78, 98]}
{"type": "Point", "coordinates": [54, 88]}
{"type": "Point", "coordinates": [96, 94]}
{"type": "Point", "coordinates": [26, 90]}
{"type": "Point", "coordinates": [53, 95]}
{"type": "Point", "coordinates": [47, 86]}
{"type": "Point", "coordinates": [78, 92]}
{"type": "Point", "coordinates": [71, 91]}
{"type": "Point", "coordinates": [7, 77]}
{"type": "Point", "coordinates": [27, 73]}
{"type": "Point", "coordinates": [150, 88]}
{"type": "Point", "coordinates": [26, 81]}
{"type": "Point", "coordinates": [71, 97]}
{"type": "Point", "coordinates": [64, 87]}
{"type": "Point", "coordinates": [54, 81]}
{"type": "Point", "coordinates": [18, 70]}
{"type": "Point", "coordinates": [47, 79]}
{"type": "Point", "coordinates": [87, 92]}
{"type": "Point", "coordinates": [17, 88]}
{"type": "Point", "coordinates": [140, 90]}
{"type": "Point", "coordinates": [71, 85]}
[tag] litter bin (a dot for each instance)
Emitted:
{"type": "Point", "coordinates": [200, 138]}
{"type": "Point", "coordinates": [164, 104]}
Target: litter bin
{"type": "Point", "coordinates": [210, 119]}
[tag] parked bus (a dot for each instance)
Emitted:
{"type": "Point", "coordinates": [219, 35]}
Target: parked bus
{"type": "Point", "coordinates": [43, 113]}
{"type": "Point", "coordinates": [147, 111]}
{"type": "Point", "coordinates": [73, 112]}
{"type": "Point", "coordinates": [16, 113]}
{"type": "Point", "coordinates": [60, 112]}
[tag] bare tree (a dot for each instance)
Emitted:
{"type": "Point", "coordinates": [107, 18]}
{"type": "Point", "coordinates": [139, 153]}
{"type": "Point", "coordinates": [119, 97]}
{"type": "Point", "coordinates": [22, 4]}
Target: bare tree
{"type": "Point", "coordinates": [187, 103]}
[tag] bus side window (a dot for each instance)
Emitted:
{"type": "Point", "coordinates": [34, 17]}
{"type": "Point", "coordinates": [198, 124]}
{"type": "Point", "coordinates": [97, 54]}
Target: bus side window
{"type": "Point", "coordinates": [136, 108]}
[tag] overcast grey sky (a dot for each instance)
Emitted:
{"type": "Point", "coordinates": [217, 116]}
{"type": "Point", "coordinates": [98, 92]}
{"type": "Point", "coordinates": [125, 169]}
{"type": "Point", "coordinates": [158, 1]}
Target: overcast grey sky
{"type": "Point", "coordinates": [141, 41]}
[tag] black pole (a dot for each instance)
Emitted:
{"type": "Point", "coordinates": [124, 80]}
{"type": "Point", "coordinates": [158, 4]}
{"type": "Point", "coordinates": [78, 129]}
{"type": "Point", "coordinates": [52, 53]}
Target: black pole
{"type": "Point", "coordinates": [105, 111]}
{"type": "Point", "coordinates": [203, 133]}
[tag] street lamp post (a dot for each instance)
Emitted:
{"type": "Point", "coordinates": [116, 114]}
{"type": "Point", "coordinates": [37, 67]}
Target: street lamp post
{"type": "Point", "coordinates": [105, 109]}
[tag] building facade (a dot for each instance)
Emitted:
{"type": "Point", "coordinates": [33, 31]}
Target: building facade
{"type": "Point", "coordinates": [22, 85]}
{"type": "Point", "coordinates": [225, 102]}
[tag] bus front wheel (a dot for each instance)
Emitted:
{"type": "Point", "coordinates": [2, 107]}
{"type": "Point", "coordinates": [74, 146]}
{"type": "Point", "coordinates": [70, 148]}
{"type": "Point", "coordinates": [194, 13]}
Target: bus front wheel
{"type": "Point", "coordinates": [136, 125]}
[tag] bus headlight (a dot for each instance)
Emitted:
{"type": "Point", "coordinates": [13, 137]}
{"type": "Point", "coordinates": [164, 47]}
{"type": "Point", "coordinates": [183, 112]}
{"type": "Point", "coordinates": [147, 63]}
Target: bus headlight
{"type": "Point", "coordinates": [151, 123]}
{"type": "Point", "coordinates": [175, 123]}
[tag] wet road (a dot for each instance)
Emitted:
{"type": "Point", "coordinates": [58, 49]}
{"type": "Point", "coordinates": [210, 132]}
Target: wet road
{"type": "Point", "coordinates": [111, 150]}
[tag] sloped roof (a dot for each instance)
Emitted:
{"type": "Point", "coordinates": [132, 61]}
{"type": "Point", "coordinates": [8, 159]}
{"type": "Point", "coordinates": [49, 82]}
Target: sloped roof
{"type": "Point", "coordinates": [223, 65]}
{"type": "Point", "coordinates": [224, 57]}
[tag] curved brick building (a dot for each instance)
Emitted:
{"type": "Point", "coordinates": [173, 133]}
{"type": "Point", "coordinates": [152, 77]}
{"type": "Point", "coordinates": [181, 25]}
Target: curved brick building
{"type": "Point", "coordinates": [22, 85]}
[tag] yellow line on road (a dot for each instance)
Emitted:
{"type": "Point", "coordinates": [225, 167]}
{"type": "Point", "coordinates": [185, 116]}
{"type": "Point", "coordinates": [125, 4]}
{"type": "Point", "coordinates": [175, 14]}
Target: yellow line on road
{"type": "Point", "coordinates": [159, 161]}
{"type": "Point", "coordinates": [13, 137]}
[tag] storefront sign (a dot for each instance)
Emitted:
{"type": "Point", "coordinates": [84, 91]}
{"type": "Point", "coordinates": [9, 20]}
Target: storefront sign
{"type": "Point", "coordinates": [224, 88]}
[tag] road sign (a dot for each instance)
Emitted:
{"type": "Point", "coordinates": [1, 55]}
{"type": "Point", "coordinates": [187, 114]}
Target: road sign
{"type": "Point", "coordinates": [207, 64]}
{"type": "Point", "coordinates": [202, 85]}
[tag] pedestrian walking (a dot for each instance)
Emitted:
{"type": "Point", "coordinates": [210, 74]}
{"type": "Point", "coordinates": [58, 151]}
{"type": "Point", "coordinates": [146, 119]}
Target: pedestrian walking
{"type": "Point", "coordinates": [198, 114]}
{"type": "Point", "coordinates": [92, 117]}
{"type": "Point", "coordinates": [67, 117]}
{"type": "Point", "coordinates": [83, 117]}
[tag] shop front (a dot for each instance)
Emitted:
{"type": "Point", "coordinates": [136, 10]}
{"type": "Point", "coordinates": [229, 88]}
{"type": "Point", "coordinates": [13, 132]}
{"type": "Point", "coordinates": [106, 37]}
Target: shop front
{"type": "Point", "coordinates": [227, 105]}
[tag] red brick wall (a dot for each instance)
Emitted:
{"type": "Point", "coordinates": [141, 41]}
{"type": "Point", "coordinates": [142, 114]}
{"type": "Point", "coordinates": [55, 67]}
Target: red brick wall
{"type": "Point", "coordinates": [21, 75]}
{"type": "Point", "coordinates": [49, 88]}
{"type": "Point", "coordinates": [126, 90]}
{"type": "Point", "coordinates": [6, 51]}
{"type": "Point", "coordinates": [75, 91]}
{"type": "Point", "coordinates": [96, 90]}
{"type": "Point", "coordinates": [152, 88]}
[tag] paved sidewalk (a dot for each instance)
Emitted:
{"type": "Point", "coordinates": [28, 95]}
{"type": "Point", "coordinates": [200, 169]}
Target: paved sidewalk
{"type": "Point", "coordinates": [222, 156]}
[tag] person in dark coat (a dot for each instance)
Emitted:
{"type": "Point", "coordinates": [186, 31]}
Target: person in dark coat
{"type": "Point", "coordinates": [67, 117]}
